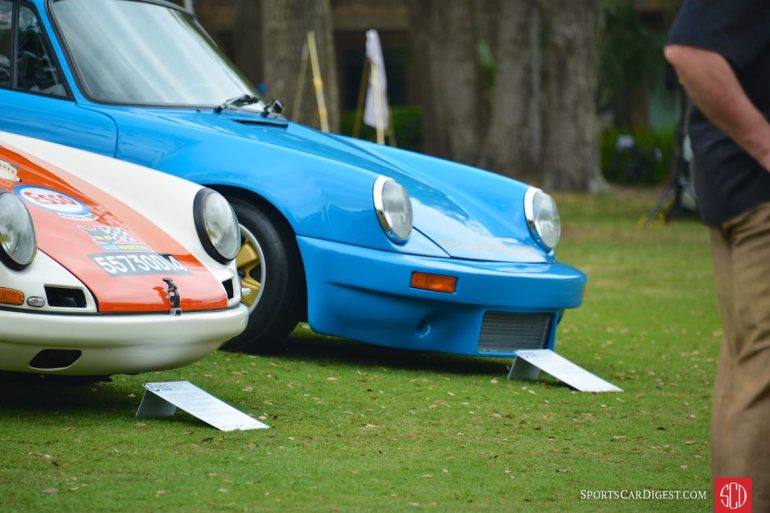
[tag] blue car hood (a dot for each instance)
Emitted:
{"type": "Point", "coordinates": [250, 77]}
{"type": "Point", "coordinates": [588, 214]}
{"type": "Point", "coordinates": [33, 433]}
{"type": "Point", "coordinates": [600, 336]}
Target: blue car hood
{"type": "Point", "coordinates": [463, 224]}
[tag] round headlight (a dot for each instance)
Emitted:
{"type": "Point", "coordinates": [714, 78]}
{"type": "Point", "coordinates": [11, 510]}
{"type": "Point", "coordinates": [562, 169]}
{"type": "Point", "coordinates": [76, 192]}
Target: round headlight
{"type": "Point", "coordinates": [217, 225]}
{"type": "Point", "coordinates": [18, 243]}
{"type": "Point", "coordinates": [393, 208]}
{"type": "Point", "coordinates": [542, 217]}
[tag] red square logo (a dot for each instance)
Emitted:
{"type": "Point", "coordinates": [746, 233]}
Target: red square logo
{"type": "Point", "coordinates": [732, 495]}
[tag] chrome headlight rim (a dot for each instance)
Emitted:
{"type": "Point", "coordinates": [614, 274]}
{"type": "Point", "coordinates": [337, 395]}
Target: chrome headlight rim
{"type": "Point", "coordinates": [227, 249]}
{"type": "Point", "coordinates": [395, 232]}
{"type": "Point", "coordinates": [548, 241]}
{"type": "Point", "coordinates": [10, 256]}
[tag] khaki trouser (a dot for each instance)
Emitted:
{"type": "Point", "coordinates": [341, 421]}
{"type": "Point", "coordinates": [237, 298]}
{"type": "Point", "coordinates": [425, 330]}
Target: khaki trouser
{"type": "Point", "coordinates": [740, 428]}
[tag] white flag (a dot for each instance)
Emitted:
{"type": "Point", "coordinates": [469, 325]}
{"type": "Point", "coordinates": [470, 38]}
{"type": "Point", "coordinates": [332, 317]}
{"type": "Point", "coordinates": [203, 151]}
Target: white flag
{"type": "Point", "coordinates": [376, 110]}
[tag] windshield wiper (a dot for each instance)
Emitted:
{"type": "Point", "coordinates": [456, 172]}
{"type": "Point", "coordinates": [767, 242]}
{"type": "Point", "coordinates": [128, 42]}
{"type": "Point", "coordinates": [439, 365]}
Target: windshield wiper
{"type": "Point", "coordinates": [238, 101]}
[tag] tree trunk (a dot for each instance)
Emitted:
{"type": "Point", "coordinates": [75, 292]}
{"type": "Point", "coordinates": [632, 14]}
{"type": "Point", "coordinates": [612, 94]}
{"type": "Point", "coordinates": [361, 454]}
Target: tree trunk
{"type": "Point", "coordinates": [444, 39]}
{"type": "Point", "coordinates": [571, 159]}
{"type": "Point", "coordinates": [247, 39]}
{"type": "Point", "coordinates": [513, 140]}
{"type": "Point", "coordinates": [285, 24]}
{"type": "Point", "coordinates": [216, 16]}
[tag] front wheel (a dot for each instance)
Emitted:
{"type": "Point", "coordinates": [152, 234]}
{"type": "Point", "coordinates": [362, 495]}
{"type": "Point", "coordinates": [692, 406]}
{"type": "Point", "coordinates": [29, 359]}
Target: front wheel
{"type": "Point", "coordinates": [271, 270]}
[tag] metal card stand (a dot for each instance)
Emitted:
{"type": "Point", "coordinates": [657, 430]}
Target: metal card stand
{"type": "Point", "coordinates": [521, 369]}
{"type": "Point", "coordinates": [154, 406]}
{"type": "Point", "coordinates": [163, 399]}
{"type": "Point", "coordinates": [528, 363]}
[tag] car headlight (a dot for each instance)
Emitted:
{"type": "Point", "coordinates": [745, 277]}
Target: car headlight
{"type": "Point", "coordinates": [18, 242]}
{"type": "Point", "coordinates": [542, 217]}
{"type": "Point", "coordinates": [393, 208]}
{"type": "Point", "coordinates": [216, 225]}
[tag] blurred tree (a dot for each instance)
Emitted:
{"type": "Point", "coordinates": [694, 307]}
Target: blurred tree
{"type": "Point", "coordinates": [264, 38]}
{"type": "Point", "coordinates": [480, 89]}
{"type": "Point", "coordinates": [216, 16]}
{"type": "Point", "coordinates": [284, 28]}
{"type": "Point", "coordinates": [512, 142]}
{"type": "Point", "coordinates": [485, 79]}
{"type": "Point", "coordinates": [571, 146]}
{"type": "Point", "coordinates": [631, 57]}
{"type": "Point", "coordinates": [445, 37]}
{"type": "Point", "coordinates": [247, 40]}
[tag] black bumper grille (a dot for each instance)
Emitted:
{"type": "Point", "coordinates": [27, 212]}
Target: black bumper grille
{"type": "Point", "coordinates": [503, 332]}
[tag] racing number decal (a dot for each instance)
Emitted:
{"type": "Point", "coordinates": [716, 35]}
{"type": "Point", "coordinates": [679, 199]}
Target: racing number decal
{"type": "Point", "coordinates": [132, 264]}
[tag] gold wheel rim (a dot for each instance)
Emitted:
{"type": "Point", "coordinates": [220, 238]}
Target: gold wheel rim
{"type": "Point", "coordinates": [249, 264]}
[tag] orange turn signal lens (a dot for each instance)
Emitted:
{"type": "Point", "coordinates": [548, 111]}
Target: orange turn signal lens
{"type": "Point", "coordinates": [434, 282]}
{"type": "Point", "coordinates": [11, 296]}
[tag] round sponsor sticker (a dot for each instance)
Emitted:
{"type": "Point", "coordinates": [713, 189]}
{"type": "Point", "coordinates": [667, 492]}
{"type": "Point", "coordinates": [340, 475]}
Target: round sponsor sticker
{"type": "Point", "coordinates": [50, 199]}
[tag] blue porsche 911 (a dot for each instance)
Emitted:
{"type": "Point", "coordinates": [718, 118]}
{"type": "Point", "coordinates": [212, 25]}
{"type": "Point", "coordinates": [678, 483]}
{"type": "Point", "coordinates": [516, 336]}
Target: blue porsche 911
{"type": "Point", "coordinates": [363, 241]}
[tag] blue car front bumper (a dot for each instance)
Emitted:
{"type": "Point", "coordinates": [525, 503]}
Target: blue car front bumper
{"type": "Point", "coordinates": [497, 307]}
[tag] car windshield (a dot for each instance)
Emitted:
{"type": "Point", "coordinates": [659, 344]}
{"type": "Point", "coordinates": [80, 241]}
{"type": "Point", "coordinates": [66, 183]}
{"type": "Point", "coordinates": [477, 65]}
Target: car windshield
{"type": "Point", "coordinates": [140, 53]}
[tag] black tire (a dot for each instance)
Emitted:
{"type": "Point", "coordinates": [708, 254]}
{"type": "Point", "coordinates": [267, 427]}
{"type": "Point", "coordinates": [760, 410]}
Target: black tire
{"type": "Point", "coordinates": [279, 305]}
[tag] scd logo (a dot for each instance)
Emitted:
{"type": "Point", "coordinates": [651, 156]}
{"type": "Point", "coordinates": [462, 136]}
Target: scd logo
{"type": "Point", "coordinates": [732, 495]}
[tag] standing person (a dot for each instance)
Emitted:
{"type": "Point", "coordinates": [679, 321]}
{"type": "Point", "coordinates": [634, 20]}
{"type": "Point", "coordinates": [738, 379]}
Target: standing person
{"type": "Point", "coordinates": [721, 52]}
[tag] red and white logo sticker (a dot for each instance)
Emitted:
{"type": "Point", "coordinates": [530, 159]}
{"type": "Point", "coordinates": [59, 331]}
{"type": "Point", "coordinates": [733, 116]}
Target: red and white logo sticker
{"type": "Point", "coordinates": [53, 200]}
{"type": "Point", "coordinates": [732, 495]}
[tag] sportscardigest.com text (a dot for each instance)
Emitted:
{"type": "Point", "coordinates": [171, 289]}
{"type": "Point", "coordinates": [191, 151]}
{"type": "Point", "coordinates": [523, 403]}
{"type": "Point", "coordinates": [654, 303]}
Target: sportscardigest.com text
{"type": "Point", "coordinates": [643, 495]}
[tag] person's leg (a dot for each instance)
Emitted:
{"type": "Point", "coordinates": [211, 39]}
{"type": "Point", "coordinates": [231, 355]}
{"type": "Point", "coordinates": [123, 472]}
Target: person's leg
{"type": "Point", "coordinates": [720, 252]}
{"type": "Point", "coordinates": [741, 427]}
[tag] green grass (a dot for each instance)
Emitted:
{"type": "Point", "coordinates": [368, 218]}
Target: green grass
{"type": "Point", "coordinates": [357, 428]}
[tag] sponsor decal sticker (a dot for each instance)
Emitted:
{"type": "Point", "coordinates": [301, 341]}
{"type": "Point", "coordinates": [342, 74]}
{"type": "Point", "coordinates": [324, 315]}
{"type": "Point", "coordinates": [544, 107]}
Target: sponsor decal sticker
{"type": "Point", "coordinates": [732, 495]}
{"type": "Point", "coordinates": [114, 238]}
{"type": "Point", "coordinates": [84, 217]}
{"type": "Point", "coordinates": [133, 264]}
{"type": "Point", "coordinates": [55, 201]}
{"type": "Point", "coordinates": [8, 172]}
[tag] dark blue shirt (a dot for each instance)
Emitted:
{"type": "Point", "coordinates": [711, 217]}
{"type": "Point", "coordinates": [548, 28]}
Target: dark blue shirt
{"type": "Point", "coordinates": [728, 181]}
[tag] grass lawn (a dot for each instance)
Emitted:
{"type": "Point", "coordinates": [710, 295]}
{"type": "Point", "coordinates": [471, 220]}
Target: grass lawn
{"type": "Point", "coordinates": [356, 428]}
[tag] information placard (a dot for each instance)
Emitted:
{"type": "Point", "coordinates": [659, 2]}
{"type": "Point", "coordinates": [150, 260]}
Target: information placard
{"type": "Point", "coordinates": [527, 363]}
{"type": "Point", "coordinates": [162, 400]}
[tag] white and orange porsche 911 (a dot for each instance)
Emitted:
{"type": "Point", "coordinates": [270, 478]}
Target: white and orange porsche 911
{"type": "Point", "coordinates": [110, 268]}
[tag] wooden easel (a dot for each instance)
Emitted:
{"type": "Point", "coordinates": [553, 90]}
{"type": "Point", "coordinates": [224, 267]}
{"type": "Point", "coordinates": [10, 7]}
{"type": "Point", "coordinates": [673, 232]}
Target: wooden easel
{"type": "Point", "coordinates": [310, 52]}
